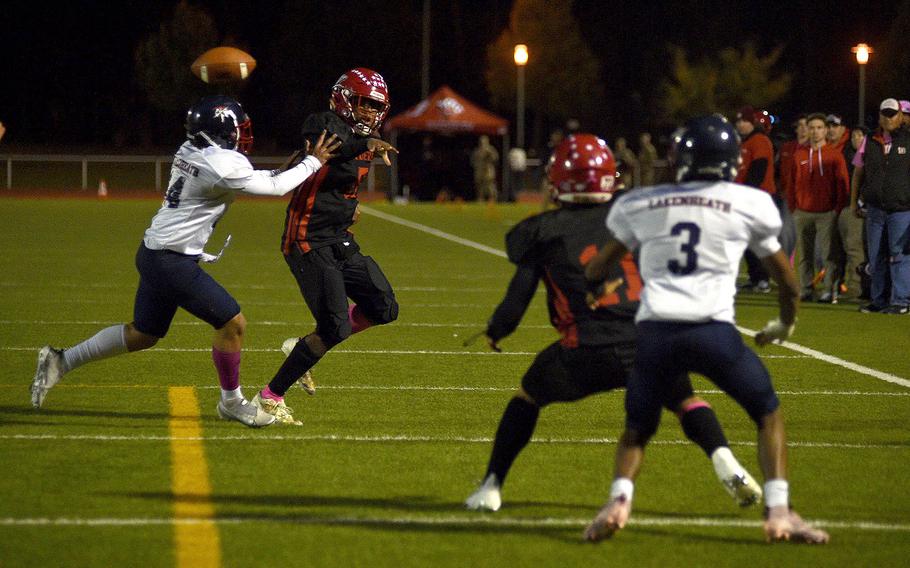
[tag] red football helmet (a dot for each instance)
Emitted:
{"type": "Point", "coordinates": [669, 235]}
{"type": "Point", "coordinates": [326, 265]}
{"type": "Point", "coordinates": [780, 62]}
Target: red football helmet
{"type": "Point", "coordinates": [361, 98]}
{"type": "Point", "coordinates": [582, 170]}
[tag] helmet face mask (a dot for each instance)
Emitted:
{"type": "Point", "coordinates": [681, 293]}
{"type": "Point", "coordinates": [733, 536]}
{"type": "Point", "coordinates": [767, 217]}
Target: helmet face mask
{"type": "Point", "coordinates": [582, 169]}
{"type": "Point", "coordinates": [361, 98]}
{"type": "Point", "coordinates": [219, 121]}
{"type": "Point", "coordinates": [706, 148]}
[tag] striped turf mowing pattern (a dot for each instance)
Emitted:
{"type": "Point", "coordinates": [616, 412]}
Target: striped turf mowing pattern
{"type": "Point", "coordinates": [128, 463]}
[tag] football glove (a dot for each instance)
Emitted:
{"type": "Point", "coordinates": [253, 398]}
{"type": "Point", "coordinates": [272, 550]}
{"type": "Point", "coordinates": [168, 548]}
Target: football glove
{"type": "Point", "coordinates": [775, 330]}
{"type": "Point", "coordinates": [210, 258]}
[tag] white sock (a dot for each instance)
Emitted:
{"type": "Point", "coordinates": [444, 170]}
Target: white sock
{"type": "Point", "coordinates": [231, 395]}
{"type": "Point", "coordinates": [725, 463]}
{"type": "Point", "coordinates": [108, 342]}
{"type": "Point", "coordinates": [777, 493]}
{"type": "Point", "coordinates": [622, 486]}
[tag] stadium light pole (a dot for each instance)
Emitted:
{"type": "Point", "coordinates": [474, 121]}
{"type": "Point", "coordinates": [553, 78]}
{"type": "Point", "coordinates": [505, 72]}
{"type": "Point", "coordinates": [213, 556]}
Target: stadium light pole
{"type": "Point", "coordinates": [862, 52]}
{"type": "Point", "coordinates": [521, 59]}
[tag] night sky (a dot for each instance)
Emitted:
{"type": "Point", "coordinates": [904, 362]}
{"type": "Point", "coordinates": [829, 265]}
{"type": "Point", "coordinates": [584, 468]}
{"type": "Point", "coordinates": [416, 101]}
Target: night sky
{"type": "Point", "coordinates": [69, 79]}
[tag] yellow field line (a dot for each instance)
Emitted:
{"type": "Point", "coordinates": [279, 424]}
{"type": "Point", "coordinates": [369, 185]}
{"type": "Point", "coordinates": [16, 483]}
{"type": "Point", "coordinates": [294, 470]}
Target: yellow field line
{"type": "Point", "coordinates": [197, 545]}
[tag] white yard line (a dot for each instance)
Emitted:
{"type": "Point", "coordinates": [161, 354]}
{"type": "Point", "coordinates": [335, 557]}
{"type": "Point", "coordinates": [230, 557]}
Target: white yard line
{"type": "Point", "coordinates": [359, 352]}
{"type": "Point", "coordinates": [745, 331]}
{"type": "Point", "coordinates": [465, 520]}
{"type": "Point", "coordinates": [404, 438]}
{"type": "Point", "coordinates": [432, 231]}
{"type": "Point", "coordinates": [459, 388]}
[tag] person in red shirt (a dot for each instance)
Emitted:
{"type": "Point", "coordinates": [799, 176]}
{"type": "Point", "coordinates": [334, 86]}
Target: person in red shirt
{"type": "Point", "coordinates": [838, 135]}
{"type": "Point", "coordinates": [787, 151]}
{"type": "Point", "coordinates": [756, 170]}
{"type": "Point", "coordinates": [820, 190]}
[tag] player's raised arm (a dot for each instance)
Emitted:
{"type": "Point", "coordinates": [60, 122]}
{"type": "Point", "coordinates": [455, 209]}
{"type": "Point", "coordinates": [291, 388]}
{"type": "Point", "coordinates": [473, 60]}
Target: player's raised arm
{"type": "Point", "coordinates": [263, 182]}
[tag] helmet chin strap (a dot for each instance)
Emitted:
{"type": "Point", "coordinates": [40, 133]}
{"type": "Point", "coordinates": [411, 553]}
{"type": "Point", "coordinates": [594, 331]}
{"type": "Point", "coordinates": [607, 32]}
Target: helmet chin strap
{"type": "Point", "coordinates": [211, 142]}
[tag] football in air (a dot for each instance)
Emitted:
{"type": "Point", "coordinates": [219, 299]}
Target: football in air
{"type": "Point", "coordinates": [223, 65]}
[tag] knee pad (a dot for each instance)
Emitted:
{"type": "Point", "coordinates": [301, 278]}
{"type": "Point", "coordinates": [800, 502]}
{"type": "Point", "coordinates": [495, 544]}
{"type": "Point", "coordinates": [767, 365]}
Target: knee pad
{"type": "Point", "coordinates": [335, 335]}
{"type": "Point", "coordinates": [387, 315]}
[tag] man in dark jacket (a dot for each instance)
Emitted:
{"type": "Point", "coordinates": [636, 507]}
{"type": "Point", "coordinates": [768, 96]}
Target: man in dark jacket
{"type": "Point", "coordinates": [881, 177]}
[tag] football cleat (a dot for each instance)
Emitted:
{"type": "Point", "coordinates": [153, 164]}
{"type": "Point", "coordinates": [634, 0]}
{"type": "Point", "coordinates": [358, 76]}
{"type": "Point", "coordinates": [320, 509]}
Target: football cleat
{"type": "Point", "coordinates": [782, 524]}
{"type": "Point", "coordinates": [242, 411]}
{"type": "Point", "coordinates": [743, 488]}
{"type": "Point", "coordinates": [276, 408]}
{"type": "Point", "coordinates": [306, 382]}
{"type": "Point", "coordinates": [48, 373]}
{"type": "Point", "coordinates": [734, 477]}
{"type": "Point", "coordinates": [487, 497]}
{"type": "Point", "coordinates": [611, 518]}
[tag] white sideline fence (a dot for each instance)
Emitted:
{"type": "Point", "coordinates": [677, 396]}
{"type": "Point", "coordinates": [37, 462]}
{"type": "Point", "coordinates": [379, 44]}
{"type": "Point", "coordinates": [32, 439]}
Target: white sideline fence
{"type": "Point", "coordinates": [161, 173]}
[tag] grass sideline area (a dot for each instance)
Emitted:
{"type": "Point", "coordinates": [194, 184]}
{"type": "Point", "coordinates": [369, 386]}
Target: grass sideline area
{"type": "Point", "coordinates": [400, 429]}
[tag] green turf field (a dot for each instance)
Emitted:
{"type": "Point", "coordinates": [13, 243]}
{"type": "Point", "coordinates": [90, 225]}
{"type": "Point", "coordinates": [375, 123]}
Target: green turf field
{"type": "Point", "coordinates": [400, 429]}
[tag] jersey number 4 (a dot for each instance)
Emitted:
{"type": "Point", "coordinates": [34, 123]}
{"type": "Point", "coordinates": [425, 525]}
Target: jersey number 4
{"type": "Point", "coordinates": [172, 197]}
{"type": "Point", "coordinates": [687, 248]}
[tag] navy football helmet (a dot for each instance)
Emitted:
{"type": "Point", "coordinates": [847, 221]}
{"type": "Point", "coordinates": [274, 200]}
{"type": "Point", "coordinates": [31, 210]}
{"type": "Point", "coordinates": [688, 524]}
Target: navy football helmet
{"type": "Point", "coordinates": [706, 148]}
{"type": "Point", "coordinates": [219, 120]}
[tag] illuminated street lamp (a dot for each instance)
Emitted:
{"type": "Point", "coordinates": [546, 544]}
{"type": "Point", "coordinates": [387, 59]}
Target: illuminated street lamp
{"type": "Point", "coordinates": [521, 59]}
{"type": "Point", "coordinates": [862, 52]}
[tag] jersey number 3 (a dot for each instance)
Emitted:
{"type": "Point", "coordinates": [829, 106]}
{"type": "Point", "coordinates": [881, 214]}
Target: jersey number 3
{"type": "Point", "coordinates": [687, 248]}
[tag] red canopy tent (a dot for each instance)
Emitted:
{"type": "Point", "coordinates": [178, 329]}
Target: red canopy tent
{"type": "Point", "coordinates": [447, 112]}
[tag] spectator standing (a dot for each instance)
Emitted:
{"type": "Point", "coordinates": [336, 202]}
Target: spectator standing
{"type": "Point", "coordinates": [784, 170]}
{"type": "Point", "coordinates": [788, 150]}
{"type": "Point", "coordinates": [484, 159]}
{"type": "Point", "coordinates": [820, 189]}
{"type": "Point", "coordinates": [905, 110]}
{"type": "Point", "coordinates": [756, 170]}
{"type": "Point", "coordinates": [626, 165]}
{"type": "Point", "coordinates": [647, 156]}
{"type": "Point", "coordinates": [838, 135]}
{"type": "Point", "coordinates": [881, 177]}
{"type": "Point", "coordinates": [850, 232]}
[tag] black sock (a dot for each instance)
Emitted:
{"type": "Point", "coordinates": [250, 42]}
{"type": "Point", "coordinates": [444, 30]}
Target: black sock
{"type": "Point", "coordinates": [701, 426]}
{"type": "Point", "coordinates": [298, 362]}
{"type": "Point", "coordinates": [514, 433]}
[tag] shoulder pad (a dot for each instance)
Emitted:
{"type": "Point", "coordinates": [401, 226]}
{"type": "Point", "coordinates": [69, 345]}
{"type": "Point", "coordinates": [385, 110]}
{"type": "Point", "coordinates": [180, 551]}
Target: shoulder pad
{"type": "Point", "coordinates": [522, 240]}
{"type": "Point", "coordinates": [315, 123]}
{"type": "Point", "coordinates": [232, 167]}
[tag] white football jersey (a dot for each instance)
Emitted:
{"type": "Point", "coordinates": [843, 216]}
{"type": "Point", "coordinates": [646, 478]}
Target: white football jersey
{"type": "Point", "coordinates": [690, 238]}
{"type": "Point", "coordinates": [203, 184]}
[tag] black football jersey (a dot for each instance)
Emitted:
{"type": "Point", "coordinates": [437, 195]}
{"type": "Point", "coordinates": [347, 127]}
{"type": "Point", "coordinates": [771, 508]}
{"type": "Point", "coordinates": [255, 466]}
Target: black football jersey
{"type": "Point", "coordinates": [322, 208]}
{"type": "Point", "coordinates": [556, 246]}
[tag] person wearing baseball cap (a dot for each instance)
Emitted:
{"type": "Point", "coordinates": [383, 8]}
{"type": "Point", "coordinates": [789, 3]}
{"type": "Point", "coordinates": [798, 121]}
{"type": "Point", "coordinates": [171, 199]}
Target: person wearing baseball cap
{"type": "Point", "coordinates": [756, 170]}
{"type": "Point", "coordinates": [838, 135]}
{"type": "Point", "coordinates": [882, 179]}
